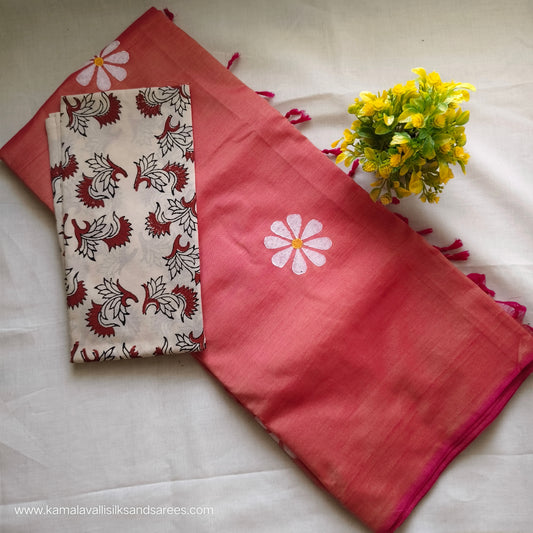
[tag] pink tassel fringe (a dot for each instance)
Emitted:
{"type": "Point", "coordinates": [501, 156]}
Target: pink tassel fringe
{"type": "Point", "coordinates": [479, 280]}
{"type": "Point", "coordinates": [454, 246]}
{"type": "Point", "coordinates": [458, 243]}
{"type": "Point", "coordinates": [232, 60]}
{"type": "Point", "coordinates": [425, 231]}
{"type": "Point", "coordinates": [351, 173]}
{"type": "Point", "coordinates": [303, 116]}
{"type": "Point", "coordinates": [513, 309]}
{"type": "Point", "coordinates": [460, 256]}
{"type": "Point", "coordinates": [332, 151]}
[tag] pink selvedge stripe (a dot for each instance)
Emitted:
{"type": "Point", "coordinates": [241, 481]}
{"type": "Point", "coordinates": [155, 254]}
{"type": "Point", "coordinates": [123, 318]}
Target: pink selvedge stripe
{"type": "Point", "coordinates": [466, 434]}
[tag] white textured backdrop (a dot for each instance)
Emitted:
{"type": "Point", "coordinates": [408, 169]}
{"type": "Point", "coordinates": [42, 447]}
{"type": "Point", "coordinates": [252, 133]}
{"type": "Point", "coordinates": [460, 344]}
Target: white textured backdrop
{"type": "Point", "coordinates": [162, 432]}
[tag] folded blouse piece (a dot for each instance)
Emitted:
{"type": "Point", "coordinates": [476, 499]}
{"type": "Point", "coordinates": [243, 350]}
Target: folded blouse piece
{"type": "Point", "coordinates": [125, 205]}
{"type": "Point", "coordinates": [370, 357]}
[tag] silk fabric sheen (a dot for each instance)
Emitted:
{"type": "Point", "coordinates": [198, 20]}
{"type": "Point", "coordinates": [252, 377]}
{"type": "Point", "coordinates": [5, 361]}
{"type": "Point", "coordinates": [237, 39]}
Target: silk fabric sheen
{"type": "Point", "coordinates": [375, 366]}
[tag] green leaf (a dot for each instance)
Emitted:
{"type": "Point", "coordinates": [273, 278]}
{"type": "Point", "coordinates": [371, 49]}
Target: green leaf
{"type": "Point", "coordinates": [353, 108]}
{"type": "Point", "coordinates": [428, 148]}
{"type": "Point", "coordinates": [441, 138]}
{"type": "Point", "coordinates": [409, 106]}
{"type": "Point", "coordinates": [419, 104]}
{"type": "Point", "coordinates": [388, 119]}
{"type": "Point", "coordinates": [370, 154]}
{"type": "Point", "coordinates": [366, 132]}
{"type": "Point", "coordinates": [400, 138]}
{"type": "Point", "coordinates": [406, 114]}
{"type": "Point", "coordinates": [381, 129]}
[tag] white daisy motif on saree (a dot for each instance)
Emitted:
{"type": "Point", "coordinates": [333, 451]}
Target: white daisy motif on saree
{"type": "Point", "coordinates": [298, 244]}
{"type": "Point", "coordinates": [105, 63]}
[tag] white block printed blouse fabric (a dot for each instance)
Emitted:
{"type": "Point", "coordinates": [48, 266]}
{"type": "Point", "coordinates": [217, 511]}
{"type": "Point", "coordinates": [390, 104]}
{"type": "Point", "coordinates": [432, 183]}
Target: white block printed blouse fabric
{"type": "Point", "coordinates": [122, 167]}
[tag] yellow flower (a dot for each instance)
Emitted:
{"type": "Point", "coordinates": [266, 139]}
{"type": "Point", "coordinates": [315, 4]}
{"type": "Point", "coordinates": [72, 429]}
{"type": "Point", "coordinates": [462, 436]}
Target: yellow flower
{"type": "Point", "coordinates": [432, 199]}
{"type": "Point", "coordinates": [433, 78]}
{"type": "Point", "coordinates": [467, 86]}
{"type": "Point", "coordinates": [445, 148]}
{"type": "Point", "coordinates": [349, 136]}
{"type": "Point", "coordinates": [439, 121]}
{"type": "Point", "coordinates": [370, 166]}
{"type": "Point", "coordinates": [400, 169]}
{"type": "Point", "coordinates": [460, 154]}
{"type": "Point", "coordinates": [398, 89]}
{"type": "Point", "coordinates": [417, 120]}
{"type": "Point", "coordinates": [420, 72]}
{"type": "Point", "coordinates": [385, 171]}
{"type": "Point", "coordinates": [378, 104]}
{"type": "Point", "coordinates": [368, 110]}
{"type": "Point", "coordinates": [410, 87]}
{"type": "Point", "coordinates": [407, 151]}
{"type": "Point", "coordinates": [450, 114]}
{"type": "Point", "coordinates": [395, 160]}
{"type": "Point", "coordinates": [367, 96]}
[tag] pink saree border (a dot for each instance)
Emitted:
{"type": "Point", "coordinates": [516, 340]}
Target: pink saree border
{"type": "Point", "coordinates": [479, 421]}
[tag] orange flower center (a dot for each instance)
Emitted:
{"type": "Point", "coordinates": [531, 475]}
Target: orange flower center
{"type": "Point", "coordinates": [99, 61]}
{"type": "Point", "coordinates": [297, 243]}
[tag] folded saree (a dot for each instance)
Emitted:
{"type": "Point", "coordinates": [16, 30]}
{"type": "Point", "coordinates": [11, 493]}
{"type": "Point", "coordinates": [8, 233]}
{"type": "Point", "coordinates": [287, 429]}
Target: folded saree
{"type": "Point", "coordinates": [370, 357]}
{"type": "Point", "coordinates": [124, 199]}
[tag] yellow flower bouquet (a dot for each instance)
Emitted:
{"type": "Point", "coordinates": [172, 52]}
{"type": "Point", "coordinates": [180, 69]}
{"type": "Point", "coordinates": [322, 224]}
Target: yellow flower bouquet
{"type": "Point", "coordinates": [408, 136]}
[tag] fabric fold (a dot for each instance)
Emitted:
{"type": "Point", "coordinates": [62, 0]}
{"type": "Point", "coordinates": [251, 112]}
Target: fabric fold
{"type": "Point", "coordinates": [371, 359]}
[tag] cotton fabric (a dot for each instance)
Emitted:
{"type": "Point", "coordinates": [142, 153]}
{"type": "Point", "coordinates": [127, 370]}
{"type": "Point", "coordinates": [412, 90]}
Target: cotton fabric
{"type": "Point", "coordinates": [384, 247]}
{"type": "Point", "coordinates": [124, 198]}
